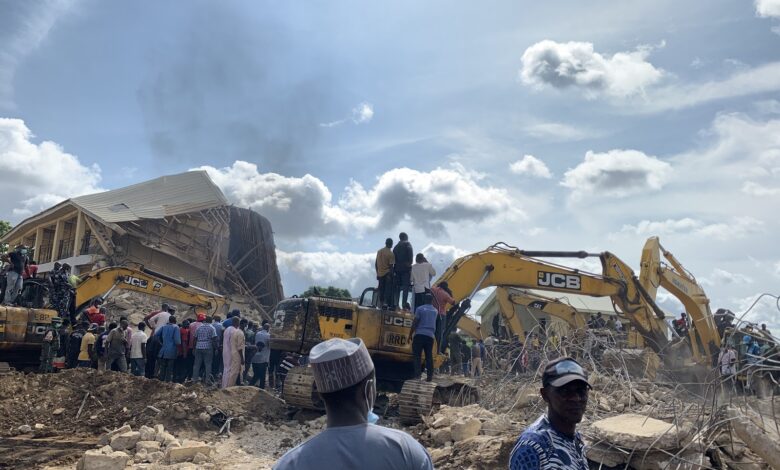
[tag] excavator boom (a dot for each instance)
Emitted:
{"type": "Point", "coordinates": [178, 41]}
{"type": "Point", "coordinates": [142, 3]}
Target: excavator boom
{"type": "Point", "coordinates": [102, 282]}
{"type": "Point", "coordinates": [703, 333]}
{"type": "Point", "coordinates": [503, 265]}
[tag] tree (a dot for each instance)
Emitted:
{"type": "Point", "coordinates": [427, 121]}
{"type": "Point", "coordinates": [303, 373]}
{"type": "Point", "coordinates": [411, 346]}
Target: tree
{"type": "Point", "coordinates": [5, 227]}
{"type": "Point", "coordinates": [329, 291]}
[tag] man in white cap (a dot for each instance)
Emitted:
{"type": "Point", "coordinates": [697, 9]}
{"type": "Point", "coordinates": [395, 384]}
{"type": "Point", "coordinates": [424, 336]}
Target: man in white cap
{"type": "Point", "coordinates": [345, 378]}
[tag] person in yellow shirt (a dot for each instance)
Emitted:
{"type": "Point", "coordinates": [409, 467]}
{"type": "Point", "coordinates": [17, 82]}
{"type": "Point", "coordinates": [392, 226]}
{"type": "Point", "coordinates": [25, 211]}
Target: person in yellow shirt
{"type": "Point", "coordinates": [385, 260]}
{"type": "Point", "coordinates": [87, 352]}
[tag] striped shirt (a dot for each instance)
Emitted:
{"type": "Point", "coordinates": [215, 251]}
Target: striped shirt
{"type": "Point", "coordinates": [542, 447]}
{"type": "Point", "coordinates": [204, 336]}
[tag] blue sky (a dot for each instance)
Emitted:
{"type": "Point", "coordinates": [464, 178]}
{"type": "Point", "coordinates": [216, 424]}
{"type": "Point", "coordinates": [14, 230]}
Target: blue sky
{"type": "Point", "coordinates": [548, 125]}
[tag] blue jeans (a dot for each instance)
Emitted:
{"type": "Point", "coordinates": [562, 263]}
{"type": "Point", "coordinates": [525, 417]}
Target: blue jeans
{"type": "Point", "coordinates": [13, 285]}
{"type": "Point", "coordinates": [203, 359]}
{"type": "Point", "coordinates": [137, 366]}
{"type": "Point", "coordinates": [84, 364]}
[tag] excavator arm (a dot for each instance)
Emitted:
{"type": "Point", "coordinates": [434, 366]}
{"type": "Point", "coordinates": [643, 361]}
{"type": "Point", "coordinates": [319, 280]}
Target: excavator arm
{"type": "Point", "coordinates": [703, 334]}
{"type": "Point", "coordinates": [507, 300]}
{"type": "Point", "coordinates": [503, 265]}
{"type": "Point", "coordinates": [102, 282]}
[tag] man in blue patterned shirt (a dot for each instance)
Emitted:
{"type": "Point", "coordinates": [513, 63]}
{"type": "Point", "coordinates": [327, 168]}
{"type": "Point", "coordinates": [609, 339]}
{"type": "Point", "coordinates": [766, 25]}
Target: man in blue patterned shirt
{"type": "Point", "coordinates": [552, 442]}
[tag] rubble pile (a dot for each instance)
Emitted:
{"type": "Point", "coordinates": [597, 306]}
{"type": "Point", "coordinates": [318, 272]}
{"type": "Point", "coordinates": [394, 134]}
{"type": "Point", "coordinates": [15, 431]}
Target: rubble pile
{"type": "Point", "coordinates": [644, 443]}
{"type": "Point", "coordinates": [136, 305]}
{"type": "Point", "coordinates": [467, 437]}
{"type": "Point", "coordinates": [123, 446]}
{"type": "Point", "coordinates": [85, 402]}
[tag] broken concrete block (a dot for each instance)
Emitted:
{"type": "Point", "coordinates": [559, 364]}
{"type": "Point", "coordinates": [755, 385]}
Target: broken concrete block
{"type": "Point", "coordinates": [441, 436]}
{"type": "Point", "coordinates": [106, 438]}
{"type": "Point", "coordinates": [464, 429]}
{"type": "Point", "coordinates": [126, 440]}
{"type": "Point", "coordinates": [96, 460]}
{"type": "Point", "coordinates": [147, 433]}
{"type": "Point", "coordinates": [608, 456]}
{"type": "Point", "coordinates": [187, 451]}
{"type": "Point", "coordinates": [155, 457]}
{"type": "Point", "coordinates": [25, 429]}
{"type": "Point", "coordinates": [39, 426]}
{"type": "Point", "coordinates": [200, 459]}
{"type": "Point", "coordinates": [165, 438]}
{"type": "Point", "coordinates": [442, 422]}
{"type": "Point", "coordinates": [159, 428]}
{"type": "Point", "coordinates": [58, 411]}
{"type": "Point", "coordinates": [633, 431]}
{"type": "Point", "coordinates": [147, 446]}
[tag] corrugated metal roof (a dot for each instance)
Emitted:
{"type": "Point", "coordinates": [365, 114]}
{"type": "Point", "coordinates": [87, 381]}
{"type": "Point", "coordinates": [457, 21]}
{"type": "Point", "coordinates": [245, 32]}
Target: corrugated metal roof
{"type": "Point", "coordinates": [154, 199]}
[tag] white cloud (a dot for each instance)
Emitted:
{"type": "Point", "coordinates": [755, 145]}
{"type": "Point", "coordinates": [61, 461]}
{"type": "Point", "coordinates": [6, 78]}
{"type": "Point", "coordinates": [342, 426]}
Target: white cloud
{"type": "Point", "coordinates": [737, 227]}
{"type": "Point", "coordinates": [617, 173]}
{"type": "Point", "coordinates": [531, 166]}
{"type": "Point", "coordinates": [557, 132]}
{"type": "Point", "coordinates": [304, 207]}
{"type": "Point", "coordinates": [36, 176]}
{"type": "Point", "coordinates": [768, 106]}
{"type": "Point", "coordinates": [777, 268]}
{"type": "Point", "coordinates": [353, 271]}
{"type": "Point", "coordinates": [756, 189]}
{"type": "Point", "coordinates": [428, 199]}
{"type": "Point", "coordinates": [761, 79]}
{"type": "Point", "coordinates": [768, 8]}
{"type": "Point", "coordinates": [34, 21]}
{"type": "Point", "coordinates": [576, 64]}
{"type": "Point", "coordinates": [718, 277]}
{"type": "Point", "coordinates": [361, 114]}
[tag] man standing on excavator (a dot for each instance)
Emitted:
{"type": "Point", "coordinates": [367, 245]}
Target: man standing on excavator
{"type": "Point", "coordinates": [385, 259]}
{"type": "Point", "coordinates": [404, 255]}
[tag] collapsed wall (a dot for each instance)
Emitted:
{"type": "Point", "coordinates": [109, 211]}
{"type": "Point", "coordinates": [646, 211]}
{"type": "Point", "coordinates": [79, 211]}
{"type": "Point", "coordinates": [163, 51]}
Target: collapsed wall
{"type": "Point", "coordinates": [252, 258]}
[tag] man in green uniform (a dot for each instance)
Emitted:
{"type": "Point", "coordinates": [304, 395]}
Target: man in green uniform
{"type": "Point", "coordinates": [50, 345]}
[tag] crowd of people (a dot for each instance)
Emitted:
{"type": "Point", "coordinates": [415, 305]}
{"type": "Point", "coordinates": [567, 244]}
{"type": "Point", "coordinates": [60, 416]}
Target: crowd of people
{"type": "Point", "coordinates": [207, 349]}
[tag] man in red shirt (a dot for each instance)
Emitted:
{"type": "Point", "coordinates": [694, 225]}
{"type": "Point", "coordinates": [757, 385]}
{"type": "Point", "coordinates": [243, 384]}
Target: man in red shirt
{"type": "Point", "coordinates": [183, 366]}
{"type": "Point", "coordinates": [30, 270]}
{"type": "Point", "coordinates": [442, 296]}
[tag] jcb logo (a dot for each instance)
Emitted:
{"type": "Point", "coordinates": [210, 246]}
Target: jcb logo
{"type": "Point", "coordinates": [537, 304]}
{"type": "Point", "coordinates": [398, 321]}
{"type": "Point", "coordinates": [134, 281]}
{"type": "Point", "coordinates": [559, 281]}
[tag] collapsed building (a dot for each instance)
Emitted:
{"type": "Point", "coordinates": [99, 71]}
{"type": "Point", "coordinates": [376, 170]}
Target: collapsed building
{"type": "Point", "coordinates": [181, 225]}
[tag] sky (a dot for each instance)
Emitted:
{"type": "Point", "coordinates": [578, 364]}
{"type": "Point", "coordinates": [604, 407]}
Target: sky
{"type": "Point", "coordinates": [547, 125]}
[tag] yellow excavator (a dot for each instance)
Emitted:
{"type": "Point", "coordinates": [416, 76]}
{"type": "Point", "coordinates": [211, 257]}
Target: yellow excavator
{"type": "Point", "coordinates": [703, 338]}
{"type": "Point", "coordinates": [22, 326]}
{"type": "Point", "coordinates": [301, 323]}
{"type": "Point", "coordinates": [509, 298]}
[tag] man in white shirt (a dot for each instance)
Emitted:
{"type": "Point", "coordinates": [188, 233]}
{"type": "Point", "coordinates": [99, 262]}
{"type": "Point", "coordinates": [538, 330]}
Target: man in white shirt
{"type": "Point", "coordinates": [422, 273]}
{"type": "Point", "coordinates": [345, 378]}
{"type": "Point", "coordinates": [138, 350]}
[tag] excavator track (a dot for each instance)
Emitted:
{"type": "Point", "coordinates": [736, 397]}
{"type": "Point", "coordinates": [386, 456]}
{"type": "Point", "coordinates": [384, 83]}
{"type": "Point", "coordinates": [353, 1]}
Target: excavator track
{"type": "Point", "coordinates": [418, 398]}
{"type": "Point", "coordinates": [300, 389]}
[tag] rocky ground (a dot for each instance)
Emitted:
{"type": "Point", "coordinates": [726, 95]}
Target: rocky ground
{"type": "Point", "coordinates": [84, 419]}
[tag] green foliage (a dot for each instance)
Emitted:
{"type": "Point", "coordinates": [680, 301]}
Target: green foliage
{"type": "Point", "coordinates": [5, 227]}
{"type": "Point", "coordinates": [329, 291]}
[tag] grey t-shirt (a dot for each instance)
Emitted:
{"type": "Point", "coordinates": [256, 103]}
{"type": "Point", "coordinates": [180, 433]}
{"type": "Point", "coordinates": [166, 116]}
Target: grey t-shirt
{"type": "Point", "coordinates": [358, 447]}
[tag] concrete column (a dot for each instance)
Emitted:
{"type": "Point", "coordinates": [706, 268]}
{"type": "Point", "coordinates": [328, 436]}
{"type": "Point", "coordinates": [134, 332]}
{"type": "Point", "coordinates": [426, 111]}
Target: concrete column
{"type": "Point", "coordinates": [80, 230]}
{"type": "Point", "coordinates": [38, 240]}
{"type": "Point", "coordinates": [55, 244]}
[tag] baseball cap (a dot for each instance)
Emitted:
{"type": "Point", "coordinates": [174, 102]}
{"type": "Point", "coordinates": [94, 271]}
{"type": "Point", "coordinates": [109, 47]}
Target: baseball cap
{"type": "Point", "coordinates": [563, 370]}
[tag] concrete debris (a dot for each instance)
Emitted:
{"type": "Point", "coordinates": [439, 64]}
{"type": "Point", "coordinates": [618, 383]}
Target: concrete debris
{"type": "Point", "coordinates": [158, 447]}
{"type": "Point", "coordinates": [103, 460]}
{"type": "Point", "coordinates": [637, 432]}
{"type": "Point", "coordinates": [758, 438]}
